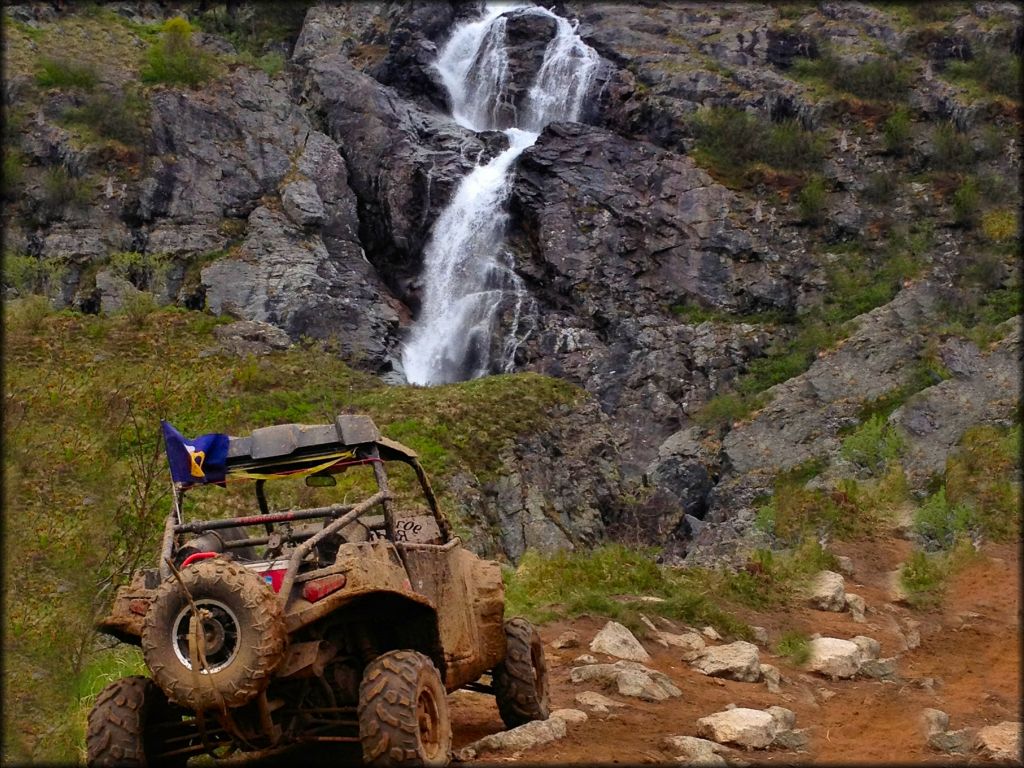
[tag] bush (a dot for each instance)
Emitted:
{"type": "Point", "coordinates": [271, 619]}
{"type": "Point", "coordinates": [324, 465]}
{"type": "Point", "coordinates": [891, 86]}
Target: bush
{"type": "Point", "coordinates": [140, 269]}
{"type": "Point", "coordinates": [873, 445]}
{"type": "Point", "coordinates": [787, 145]}
{"type": "Point", "coordinates": [950, 148]}
{"type": "Point", "coordinates": [966, 204]}
{"type": "Point", "coordinates": [724, 410]}
{"type": "Point", "coordinates": [61, 189]}
{"type": "Point", "coordinates": [811, 201]}
{"type": "Point", "coordinates": [877, 79]}
{"type": "Point", "coordinates": [943, 523]}
{"type": "Point", "coordinates": [1000, 226]}
{"type": "Point", "coordinates": [732, 139]}
{"type": "Point", "coordinates": [896, 132]}
{"type": "Point", "coordinates": [13, 172]}
{"type": "Point", "coordinates": [795, 646]}
{"type": "Point", "coordinates": [271, 63]}
{"type": "Point", "coordinates": [923, 576]}
{"type": "Point", "coordinates": [175, 59]}
{"type": "Point", "coordinates": [997, 71]}
{"type": "Point", "coordinates": [65, 73]}
{"type": "Point", "coordinates": [112, 116]}
{"type": "Point", "coordinates": [25, 274]}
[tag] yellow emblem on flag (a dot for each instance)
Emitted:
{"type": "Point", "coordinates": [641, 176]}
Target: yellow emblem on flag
{"type": "Point", "coordinates": [196, 458]}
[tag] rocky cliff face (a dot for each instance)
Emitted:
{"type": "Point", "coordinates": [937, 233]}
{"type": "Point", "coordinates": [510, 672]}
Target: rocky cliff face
{"type": "Point", "coordinates": [786, 209]}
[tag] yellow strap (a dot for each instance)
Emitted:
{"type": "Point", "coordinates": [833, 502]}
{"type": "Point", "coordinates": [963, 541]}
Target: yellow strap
{"type": "Point", "coordinates": [331, 461]}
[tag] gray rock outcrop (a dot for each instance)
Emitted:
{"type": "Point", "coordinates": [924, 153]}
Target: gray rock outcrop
{"type": "Point", "coordinates": [834, 657]}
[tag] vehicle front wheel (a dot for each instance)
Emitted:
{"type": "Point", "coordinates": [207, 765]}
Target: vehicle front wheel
{"type": "Point", "coordinates": [403, 712]}
{"type": "Point", "coordinates": [121, 725]}
{"type": "Point", "coordinates": [521, 680]}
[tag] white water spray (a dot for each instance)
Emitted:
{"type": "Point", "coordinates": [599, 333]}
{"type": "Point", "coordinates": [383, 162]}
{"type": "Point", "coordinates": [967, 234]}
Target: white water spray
{"type": "Point", "coordinates": [467, 272]}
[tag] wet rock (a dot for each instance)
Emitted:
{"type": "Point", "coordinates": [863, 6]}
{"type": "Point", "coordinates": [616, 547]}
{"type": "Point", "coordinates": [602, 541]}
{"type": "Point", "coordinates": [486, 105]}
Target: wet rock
{"type": "Point", "coordinates": [693, 751]}
{"type": "Point", "coordinates": [518, 739]}
{"type": "Point", "coordinates": [735, 661]}
{"type": "Point", "coordinates": [1001, 742]}
{"type": "Point", "coordinates": [615, 640]}
{"type": "Point", "coordinates": [568, 639]}
{"type": "Point", "coordinates": [856, 605]}
{"type": "Point", "coordinates": [751, 728]}
{"type": "Point", "coordinates": [834, 657]}
{"type": "Point", "coordinates": [629, 679]}
{"type": "Point", "coordinates": [827, 591]}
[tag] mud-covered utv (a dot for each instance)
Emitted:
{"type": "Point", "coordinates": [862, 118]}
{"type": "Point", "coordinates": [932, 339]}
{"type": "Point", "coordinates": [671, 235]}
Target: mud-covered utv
{"type": "Point", "coordinates": [345, 621]}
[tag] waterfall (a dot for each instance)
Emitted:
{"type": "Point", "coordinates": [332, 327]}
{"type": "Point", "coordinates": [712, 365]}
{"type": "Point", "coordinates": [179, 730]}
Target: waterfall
{"type": "Point", "coordinates": [468, 275]}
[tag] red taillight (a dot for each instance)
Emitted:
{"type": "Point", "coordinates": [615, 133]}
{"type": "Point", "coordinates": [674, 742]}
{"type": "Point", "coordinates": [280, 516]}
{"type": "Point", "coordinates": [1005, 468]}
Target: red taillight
{"type": "Point", "coordinates": [319, 588]}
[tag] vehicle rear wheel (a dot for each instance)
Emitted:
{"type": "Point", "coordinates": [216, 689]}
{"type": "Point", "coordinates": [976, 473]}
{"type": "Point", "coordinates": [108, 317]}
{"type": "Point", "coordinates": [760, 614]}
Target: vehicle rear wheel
{"type": "Point", "coordinates": [403, 712]}
{"type": "Point", "coordinates": [242, 627]}
{"type": "Point", "coordinates": [121, 725]}
{"type": "Point", "coordinates": [521, 680]}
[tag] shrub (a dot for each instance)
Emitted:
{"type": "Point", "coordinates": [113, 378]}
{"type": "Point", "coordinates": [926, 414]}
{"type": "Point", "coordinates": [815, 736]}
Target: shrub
{"type": "Point", "coordinates": [65, 73]}
{"type": "Point", "coordinates": [966, 204]}
{"type": "Point", "coordinates": [732, 139]}
{"type": "Point", "coordinates": [25, 274]}
{"type": "Point", "coordinates": [175, 59]}
{"type": "Point", "coordinates": [271, 63]}
{"type": "Point", "coordinates": [923, 576]}
{"type": "Point", "coordinates": [1000, 225]}
{"type": "Point", "coordinates": [27, 314]}
{"type": "Point", "coordinates": [997, 71]}
{"type": "Point", "coordinates": [873, 444]}
{"type": "Point", "coordinates": [725, 409]}
{"type": "Point", "coordinates": [61, 189]}
{"type": "Point", "coordinates": [896, 132]}
{"type": "Point", "coordinates": [812, 199]}
{"type": "Point", "coordinates": [877, 79]}
{"type": "Point", "coordinates": [950, 148]}
{"type": "Point", "coordinates": [944, 523]}
{"type": "Point", "coordinates": [140, 269]}
{"type": "Point", "coordinates": [795, 646]}
{"type": "Point", "coordinates": [112, 116]}
{"type": "Point", "coordinates": [788, 145]}
{"type": "Point", "coordinates": [13, 172]}
{"type": "Point", "coordinates": [980, 475]}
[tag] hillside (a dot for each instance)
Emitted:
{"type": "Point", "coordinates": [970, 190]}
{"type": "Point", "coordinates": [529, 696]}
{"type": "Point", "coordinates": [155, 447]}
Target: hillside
{"type": "Point", "coordinates": [750, 301]}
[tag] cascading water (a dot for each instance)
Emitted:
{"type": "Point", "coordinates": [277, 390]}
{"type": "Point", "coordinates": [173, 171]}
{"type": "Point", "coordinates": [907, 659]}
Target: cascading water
{"type": "Point", "coordinates": [468, 275]}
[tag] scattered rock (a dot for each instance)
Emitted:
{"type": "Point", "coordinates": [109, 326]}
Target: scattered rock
{"type": "Point", "coordinates": [856, 605]}
{"type": "Point", "coordinates": [880, 669]}
{"type": "Point", "coordinates": [302, 203]}
{"type": "Point", "coordinates": [869, 647]}
{"type": "Point", "coordinates": [827, 591]}
{"type": "Point", "coordinates": [693, 751]}
{"type": "Point", "coordinates": [691, 643]}
{"type": "Point", "coordinates": [585, 658]}
{"type": "Point", "coordinates": [834, 657]}
{"type": "Point", "coordinates": [845, 565]}
{"type": "Point", "coordinates": [760, 635]}
{"type": "Point", "coordinates": [629, 679]}
{"type": "Point", "coordinates": [568, 639]}
{"type": "Point", "coordinates": [911, 633]}
{"type": "Point", "coordinates": [795, 740]}
{"type": "Point", "coordinates": [772, 677]}
{"type": "Point", "coordinates": [751, 728]}
{"type": "Point", "coordinates": [523, 737]}
{"type": "Point", "coordinates": [735, 661]}
{"type": "Point", "coordinates": [786, 718]}
{"type": "Point", "coordinates": [826, 693]}
{"type": "Point", "coordinates": [615, 640]}
{"type": "Point", "coordinates": [934, 721]}
{"type": "Point", "coordinates": [897, 592]}
{"type": "Point", "coordinates": [1000, 742]}
{"type": "Point", "coordinates": [959, 741]}
{"type": "Point", "coordinates": [596, 702]}
{"type": "Point", "coordinates": [574, 716]}
{"type": "Point", "coordinates": [710, 633]}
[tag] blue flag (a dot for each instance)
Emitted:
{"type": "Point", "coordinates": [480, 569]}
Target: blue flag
{"type": "Point", "coordinates": [202, 460]}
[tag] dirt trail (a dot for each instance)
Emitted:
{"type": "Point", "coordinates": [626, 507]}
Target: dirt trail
{"type": "Point", "coordinates": [967, 664]}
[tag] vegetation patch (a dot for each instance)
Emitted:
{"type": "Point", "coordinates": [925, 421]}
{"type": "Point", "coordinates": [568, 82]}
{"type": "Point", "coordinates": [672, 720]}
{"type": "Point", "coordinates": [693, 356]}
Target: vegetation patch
{"type": "Point", "coordinates": [996, 71]}
{"type": "Point", "coordinates": [175, 59]}
{"type": "Point", "coordinates": [795, 646]}
{"type": "Point", "coordinates": [65, 73]}
{"type": "Point", "coordinates": [121, 117]}
{"type": "Point", "coordinates": [873, 445]}
{"type": "Point", "coordinates": [873, 80]}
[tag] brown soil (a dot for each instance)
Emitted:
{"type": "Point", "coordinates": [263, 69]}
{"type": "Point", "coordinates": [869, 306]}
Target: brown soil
{"type": "Point", "coordinates": [970, 649]}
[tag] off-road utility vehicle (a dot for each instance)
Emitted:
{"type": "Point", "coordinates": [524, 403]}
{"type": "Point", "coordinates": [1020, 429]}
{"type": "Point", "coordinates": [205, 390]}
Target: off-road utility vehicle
{"type": "Point", "coordinates": [343, 622]}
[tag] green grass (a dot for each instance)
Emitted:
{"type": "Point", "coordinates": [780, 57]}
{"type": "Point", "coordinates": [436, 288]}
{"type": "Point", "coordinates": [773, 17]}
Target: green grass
{"type": "Point", "coordinates": [812, 201]}
{"type": "Point", "coordinates": [118, 116]}
{"type": "Point", "coordinates": [85, 482]}
{"type": "Point", "coordinates": [795, 646]}
{"type": "Point", "coordinates": [997, 72]}
{"type": "Point", "coordinates": [543, 588]}
{"type": "Point", "coordinates": [66, 73]}
{"type": "Point", "coordinates": [882, 80]}
{"type": "Point", "coordinates": [873, 445]}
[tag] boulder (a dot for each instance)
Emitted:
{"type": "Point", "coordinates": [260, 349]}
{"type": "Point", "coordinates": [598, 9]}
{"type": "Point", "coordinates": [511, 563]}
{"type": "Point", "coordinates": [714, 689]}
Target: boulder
{"type": "Point", "coordinates": [760, 635]}
{"type": "Point", "coordinates": [933, 721]}
{"type": "Point", "coordinates": [880, 669]}
{"type": "Point", "coordinates": [956, 742]}
{"type": "Point", "coordinates": [615, 640]}
{"type": "Point", "coordinates": [834, 657]}
{"type": "Point", "coordinates": [794, 740]}
{"type": "Point", "coordinates": [845, 565]}
{"type": "Point", "coordinates": [827, 591]}
{"type": "Point", "coordinates": [629, 679]}
{"type": "Point", "coordinates": [574, 716]}
{"type": "Point", "coordinates": [1000, 742]}
{"type": "Point", "coordinates": [869, 647]}
{"type": "Point", "coordinates": [735, 661]}
{"type": "Point", "coordinates": [751, 728]}
{"type": "Point", "coordinates": [523, 737]}
{"type": "Point", "coordinates": [596, 702]}
{"type": "Point", "coordinates": [691, 643]}
{"type": "Point", "coordinates": [302, 203]}
{"type": "Point", "coordinates": [693, 751]}
{"type": "Point", "coordinates": [772, 677]}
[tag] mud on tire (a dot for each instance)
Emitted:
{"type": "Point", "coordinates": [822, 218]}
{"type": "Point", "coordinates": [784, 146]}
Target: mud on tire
{"type": "Point", "coordinates": [119, 732]}
{"type": "Point", "coordinates": [521, 680]}
{"type": "Point", "coordinates": [243, 627]}
{"type": "Point", "coordinates": [403, 712]}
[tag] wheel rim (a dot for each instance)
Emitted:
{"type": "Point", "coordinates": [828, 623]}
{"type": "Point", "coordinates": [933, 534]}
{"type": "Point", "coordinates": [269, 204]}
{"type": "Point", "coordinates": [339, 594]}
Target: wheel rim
{"type": "Point", "coordinates": [429, 722]}
{"type": "Point", "coordinates": [220, 628]}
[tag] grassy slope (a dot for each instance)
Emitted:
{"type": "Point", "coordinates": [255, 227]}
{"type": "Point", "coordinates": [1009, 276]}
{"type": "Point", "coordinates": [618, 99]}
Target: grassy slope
{"type": "Point", "coordinates": [86, 485]}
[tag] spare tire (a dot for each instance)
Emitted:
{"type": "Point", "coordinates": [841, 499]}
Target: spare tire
{"type": "Point", "coordinates": [243, 628]}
